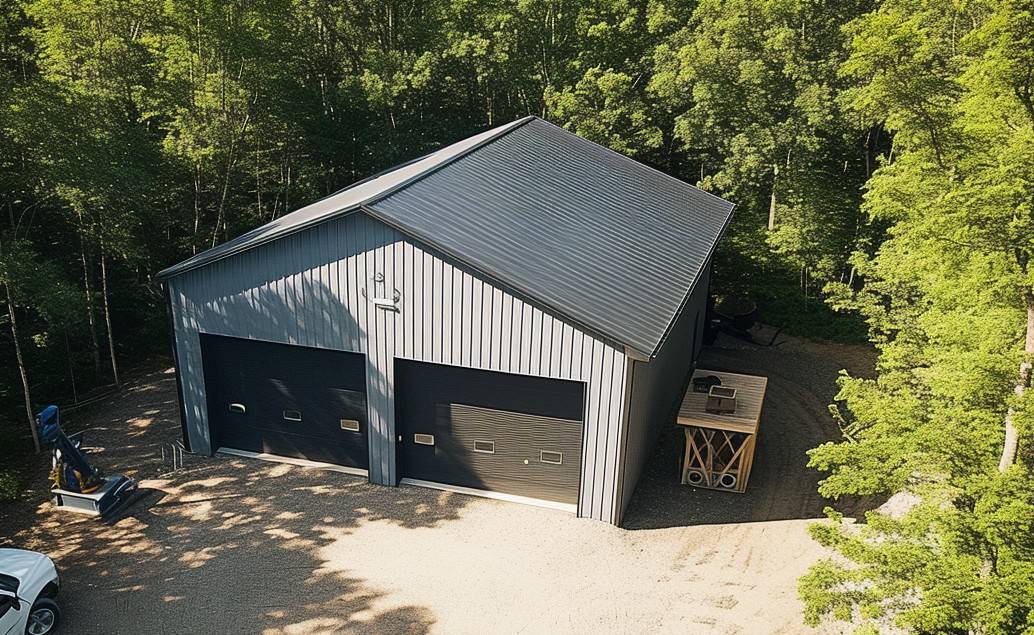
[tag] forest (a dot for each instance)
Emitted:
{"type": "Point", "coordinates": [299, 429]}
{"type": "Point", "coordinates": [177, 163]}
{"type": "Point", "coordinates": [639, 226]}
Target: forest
{"type": "Point", "coordinates": [880, 155]}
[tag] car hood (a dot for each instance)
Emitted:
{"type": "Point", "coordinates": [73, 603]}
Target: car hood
{"type": "Point", "coordinates": [20, 563]}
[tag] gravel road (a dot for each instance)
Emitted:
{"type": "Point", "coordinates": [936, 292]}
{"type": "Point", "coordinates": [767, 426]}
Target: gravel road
{"type": "Point", "coordinates": [227, 545]}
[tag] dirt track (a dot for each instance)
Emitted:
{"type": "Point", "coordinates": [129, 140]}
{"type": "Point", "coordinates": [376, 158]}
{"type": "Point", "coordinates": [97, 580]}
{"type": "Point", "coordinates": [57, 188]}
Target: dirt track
{"type": "Point", "coordinates": [231, 545]}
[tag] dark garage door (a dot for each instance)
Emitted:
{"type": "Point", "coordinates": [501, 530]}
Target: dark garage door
{"type": "Point", "coordinates": [293, 401]}
{"type": "Point", "coordinates": [491, 431]}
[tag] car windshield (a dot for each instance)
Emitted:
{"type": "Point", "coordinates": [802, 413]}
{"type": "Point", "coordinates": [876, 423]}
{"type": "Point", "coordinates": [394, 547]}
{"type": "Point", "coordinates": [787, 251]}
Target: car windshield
{"type": "Point", "coordinates": [8, 583]}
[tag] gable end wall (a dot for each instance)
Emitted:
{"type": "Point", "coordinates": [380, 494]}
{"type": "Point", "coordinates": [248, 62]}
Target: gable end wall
{"type": "Point", "coordinates": [312, 288]}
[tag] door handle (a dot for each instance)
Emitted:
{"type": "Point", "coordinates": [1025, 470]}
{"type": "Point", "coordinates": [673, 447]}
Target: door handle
{"type": "Point", "coordinates": [238, 408]}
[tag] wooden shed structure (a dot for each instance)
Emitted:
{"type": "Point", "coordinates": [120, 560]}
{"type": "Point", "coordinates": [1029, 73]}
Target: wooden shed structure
{"type": "Point", "coordinates": [514, 315]}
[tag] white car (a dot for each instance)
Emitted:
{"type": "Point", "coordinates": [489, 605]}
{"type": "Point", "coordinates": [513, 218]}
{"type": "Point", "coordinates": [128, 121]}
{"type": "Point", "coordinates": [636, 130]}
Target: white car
{"type": "Point", "coordinates": [28, 588]}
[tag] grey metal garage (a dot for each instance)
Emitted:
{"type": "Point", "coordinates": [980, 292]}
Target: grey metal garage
{"type": "Point", "coordinates": [544, 294]}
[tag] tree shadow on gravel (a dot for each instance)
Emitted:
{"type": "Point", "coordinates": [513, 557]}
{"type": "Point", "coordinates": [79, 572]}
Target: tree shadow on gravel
{"type": "Point", "coordinates": [234, 546]}
{"type": "Point", "coordinates": [222, 545]}
{"type": "Point", "coordinates": [795, 418]}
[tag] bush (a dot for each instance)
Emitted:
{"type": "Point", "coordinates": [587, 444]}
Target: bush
{"type": "Point", "coordinates": [10, 486]}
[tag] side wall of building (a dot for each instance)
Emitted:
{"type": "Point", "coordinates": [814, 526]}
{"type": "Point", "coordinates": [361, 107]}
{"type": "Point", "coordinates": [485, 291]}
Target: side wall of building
{"type": "Point", "coordinates": [656, 387]}
{"type": "Point", "coordinates": [316, 288]}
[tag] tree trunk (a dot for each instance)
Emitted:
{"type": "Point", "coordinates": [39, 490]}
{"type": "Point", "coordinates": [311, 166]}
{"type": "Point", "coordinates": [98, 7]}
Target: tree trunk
{"type": "Point", "coordinates": [21, 368]}
{"type": "Point", "coordinates": [772, 203]}
{"type": "Point", "coordinates": [107, 316]}
{"type": "Point", "coordinates": [197, 206]}
{"type": "Point", "coordinates": [71, 369]}
{"type": "Point", "coordinates": [89, 308]}
{"type": "Point", "coordinates": [1012, 434]}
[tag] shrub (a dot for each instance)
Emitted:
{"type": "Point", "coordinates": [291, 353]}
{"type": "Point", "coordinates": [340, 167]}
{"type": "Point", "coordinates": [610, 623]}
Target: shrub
{"type": "Point", "coordinates": [10, 486]}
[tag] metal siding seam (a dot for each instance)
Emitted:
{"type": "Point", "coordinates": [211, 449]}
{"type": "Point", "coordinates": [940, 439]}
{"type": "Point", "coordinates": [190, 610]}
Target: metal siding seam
{"type": "Point", "coordinates": [391, 321]}
{"type": "Point", "coordinates": [535, 345]}
{"type": "Point", "coordinates": [494, 356]}
{"type": "Point", "coordinates": [399, 275]}
{"type": "Point", "coordinates": [383, 336]}
{"type": "Point", "coordinates": [351, 285]}
{"type": "Point", "coordinates": [372, 379]}
{"type": "Point", "coordinates": [546, 344]}
{"type": "Point", "coordinates": [505, 331]}
{"type": "Point", "coordinates": [585, 486]}
{"type": "Point", "coordinates": [616, 434]}
{"type": "Point", "coordinates": [437, 297]}
{"type": "Point", "coordinates": [326, 293]}
{"type": "Point", "coordinates": [527, 328]}
{"type": "Point", "coordinates": [313, 289]}
{"type": "Point", "coordinates": [306, 280]}
{"type": "Point", "coordinates": [448, 290]}
{"type": "Point", "coordinates": [516, 327]}
{"type": "Point", "coordinates": [334, 322]}
{"type": "Point", "coordinates": [603, 430]}
{"type": "Point", "coordinates": [284, 294]}
{"type": "Point", "coordinates": [577, 353]}
{"type": "Point", "coordinates": [477, 331]}
{"type": "Point", "coordinates": [421, 314]}
{"type": "Point", "coordinates": [557, 348]}
{"type": "Point", "coordinates": [311, 282]}
{"type": "Point", "coordinates": [409, 268]}
{"type": "Point", "coordinates": [587, 506]}
{"type": "Point", "coordinates": [511, 320]}
{"type": "Point", "coordinates": [379, 336]}
{"type": "Point", "coordinates": [461, 327]}
{"type": "Point", "coordinates": [291, 267]}
{"type": "Point", "coordinates": [626, 418]}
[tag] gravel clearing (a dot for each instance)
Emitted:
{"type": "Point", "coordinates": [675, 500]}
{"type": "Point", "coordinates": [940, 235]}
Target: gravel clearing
{"type": "Point", "coordinates": [229, 545]}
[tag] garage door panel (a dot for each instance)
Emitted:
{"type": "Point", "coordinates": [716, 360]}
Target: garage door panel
{"type": "Point", "coordinates": [493, 431]}
{"type": "Point", "coordinates": [287, 400]}
{"type": "Point", "coordinates": [507, 451]}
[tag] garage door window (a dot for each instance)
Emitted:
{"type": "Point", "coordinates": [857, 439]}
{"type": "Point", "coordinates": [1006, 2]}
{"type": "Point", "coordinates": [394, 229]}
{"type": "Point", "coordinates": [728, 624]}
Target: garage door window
{"type": "Point", "coordinates": [553, 458]}
{"type": "Point", "coordinates": [350, 425]}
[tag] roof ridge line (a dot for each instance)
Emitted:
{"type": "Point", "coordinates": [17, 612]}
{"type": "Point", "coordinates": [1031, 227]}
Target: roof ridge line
{"type": "Point", "coordinates": [506, 129]}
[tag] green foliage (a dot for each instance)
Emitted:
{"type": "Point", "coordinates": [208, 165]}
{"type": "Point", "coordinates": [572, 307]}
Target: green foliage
{"type": "Point", "coordinates": [753, 89]}
{"type": "Point", "coordinates": [890, 143]}
{"type": "Point", "coordinates": [10, 486]}
{"type": "Point", "coordinates": [134, 133]}
{"type": "Point", "coordinates": [948, 298]}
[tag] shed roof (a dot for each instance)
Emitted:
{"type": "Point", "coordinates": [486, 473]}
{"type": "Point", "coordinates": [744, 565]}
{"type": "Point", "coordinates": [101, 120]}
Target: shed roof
{"type": "Point", "coordinates": [607, 242]}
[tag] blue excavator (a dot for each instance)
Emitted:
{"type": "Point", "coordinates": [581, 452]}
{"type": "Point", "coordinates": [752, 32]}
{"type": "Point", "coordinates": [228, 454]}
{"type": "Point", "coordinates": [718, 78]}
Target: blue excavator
{"type": "Point", "coordinates": [76, 484]}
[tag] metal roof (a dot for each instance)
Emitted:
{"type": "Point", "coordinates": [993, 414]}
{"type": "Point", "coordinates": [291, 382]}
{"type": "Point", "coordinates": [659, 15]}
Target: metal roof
{"type": "Point", "coordinates": [603, 240]}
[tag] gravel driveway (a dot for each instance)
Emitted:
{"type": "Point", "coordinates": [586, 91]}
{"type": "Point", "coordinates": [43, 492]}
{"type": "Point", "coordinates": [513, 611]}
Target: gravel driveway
{"type": "Point", "coordinates": [227, 545]}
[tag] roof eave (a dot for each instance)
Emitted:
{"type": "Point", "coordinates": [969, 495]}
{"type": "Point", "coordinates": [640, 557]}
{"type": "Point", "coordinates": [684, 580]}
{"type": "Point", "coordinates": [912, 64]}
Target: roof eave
{"type": "Point", "coordinates": [685, 301]}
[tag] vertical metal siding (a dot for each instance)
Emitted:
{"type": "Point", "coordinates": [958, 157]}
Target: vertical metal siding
{"type": "Point", "coordinates": [655, 388]}
{"type": "Point", "coordinates": [308, 288]}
